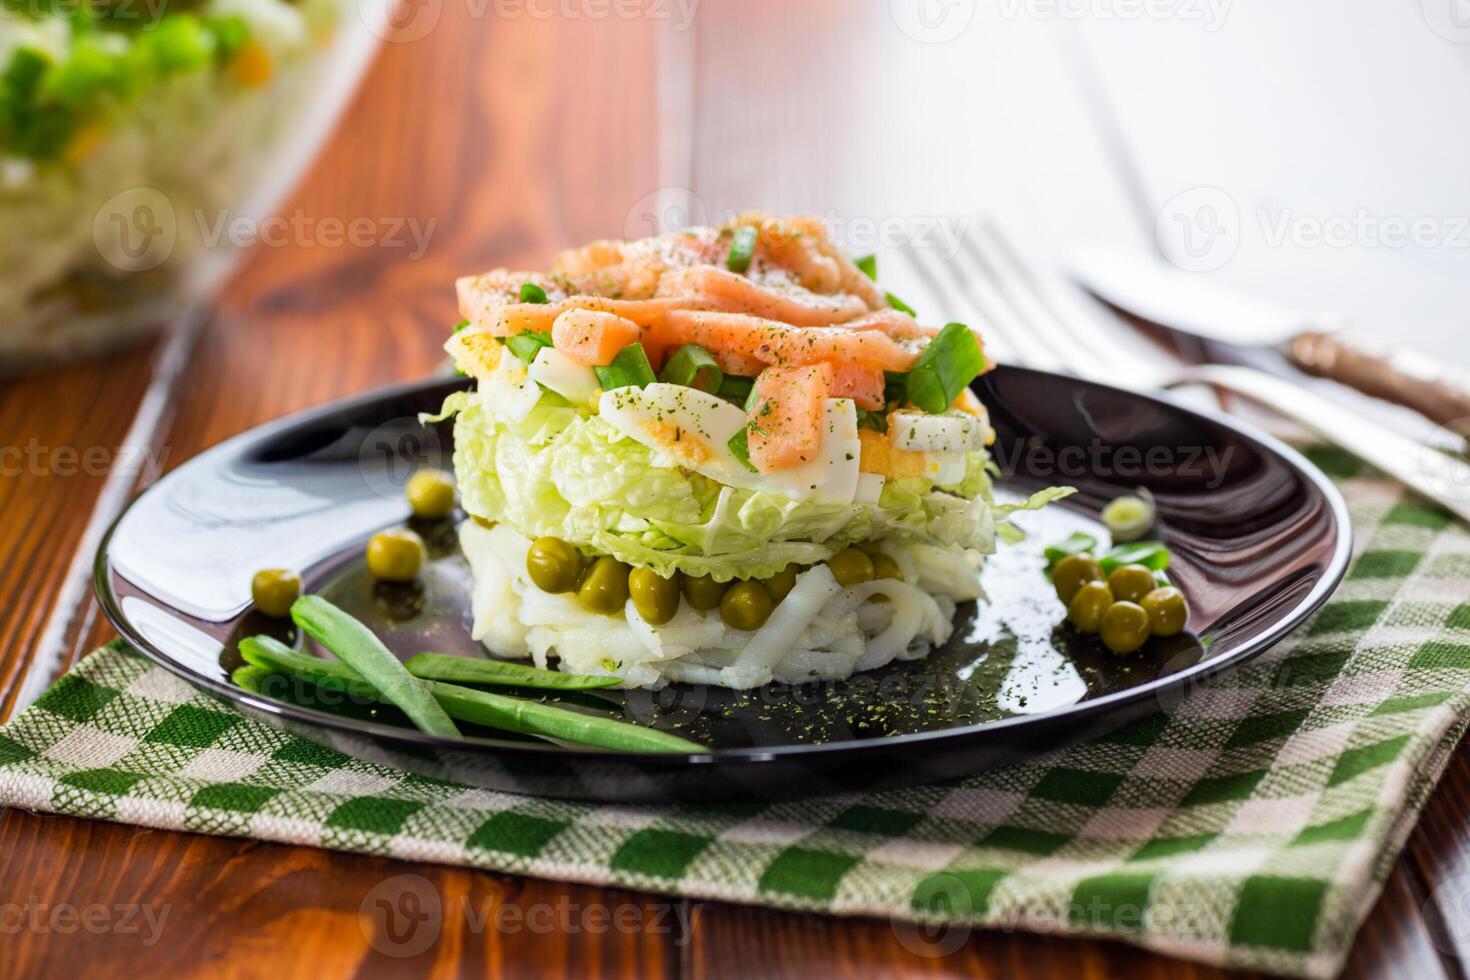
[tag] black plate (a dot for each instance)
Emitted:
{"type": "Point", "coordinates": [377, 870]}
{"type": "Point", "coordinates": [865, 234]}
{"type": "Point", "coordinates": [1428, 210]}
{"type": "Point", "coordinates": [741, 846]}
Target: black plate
{"type": "Point", "coordinates": [1260, 538]}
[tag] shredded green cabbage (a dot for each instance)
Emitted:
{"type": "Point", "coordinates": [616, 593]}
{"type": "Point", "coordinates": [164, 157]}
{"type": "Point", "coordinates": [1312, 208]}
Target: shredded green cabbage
{"type": "Point", "coordinates": [561, 473]}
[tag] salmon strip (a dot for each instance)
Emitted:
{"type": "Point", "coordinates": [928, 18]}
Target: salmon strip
{"type": "Point", "coordinates": [738, 340]}
{"type": "Point", "coordinates": [509, 320]}
{"type": "Point", "coordinates": [863, 385]}
{"type": "Point", "coordinates": [786, 422]}
{"type": "Point", "coordinates": [720, 289]}
{"type": "Point", "coordinates": [482, 297]}
{"type": "Point", "coordinates": [803, 246]}
{"type": "Point", "coordinates": [592, 338]}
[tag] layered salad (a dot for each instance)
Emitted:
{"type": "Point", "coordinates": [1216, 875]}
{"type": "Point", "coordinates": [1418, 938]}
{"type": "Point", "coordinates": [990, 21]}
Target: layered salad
{"type": "Point", "coordinates": [721, 456]}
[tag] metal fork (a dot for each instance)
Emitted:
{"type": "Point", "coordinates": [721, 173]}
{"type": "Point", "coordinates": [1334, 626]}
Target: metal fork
{"type": "Point", "coordinates": [1034, 317]}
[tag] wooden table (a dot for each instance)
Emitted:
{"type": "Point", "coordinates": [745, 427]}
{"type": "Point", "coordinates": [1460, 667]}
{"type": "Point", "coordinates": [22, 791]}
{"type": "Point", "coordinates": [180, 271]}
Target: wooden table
{"type": "Point", "coordinates": [515, 134]}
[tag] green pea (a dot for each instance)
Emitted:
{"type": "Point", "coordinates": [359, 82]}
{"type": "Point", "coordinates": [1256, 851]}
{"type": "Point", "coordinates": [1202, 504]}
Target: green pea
{"type": "Point", "coordinates": [781, 584]}
{"type": "Point", "coordinates": [886, 567]}
{"type": "Point", "coordinates": [273, 590]}
{"type": "Point", "coordinates": [605, 589]}
{"type": "Point", "coordinates": [1131, 583]}
{"type": "Point", "coordinates": [1167, 611]}
{"type": "Point", "coordinates": [746, 606]}
{"type": "Point", "coordinates": [1086, 609]}
{"type": "Point", "coordinates": [1073, 572]}
{"type": "Point", "coordinates": [554, 565]}
{"type": "Point", "coordinates": [656, 598]}
{"type": "Point", "coordinates": [396, 555]}
{"type": "Point", "coordinates": [1124, 627]}
{"type": "Point", "coordinates": [431, 494]}
{"type": "Point", "coordinates": [703, 592]}
{"type": "Point", "coordinates": [851, 567]}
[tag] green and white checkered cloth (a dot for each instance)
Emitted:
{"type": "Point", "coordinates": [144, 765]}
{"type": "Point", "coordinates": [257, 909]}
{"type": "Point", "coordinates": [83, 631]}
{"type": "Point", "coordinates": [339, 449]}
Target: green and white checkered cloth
{"type": "Point", "coordinates": [1253, 824]}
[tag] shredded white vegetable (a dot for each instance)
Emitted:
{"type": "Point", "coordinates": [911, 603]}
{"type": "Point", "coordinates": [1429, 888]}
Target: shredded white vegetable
{"type": "Point", "coordinates": [819, 631]}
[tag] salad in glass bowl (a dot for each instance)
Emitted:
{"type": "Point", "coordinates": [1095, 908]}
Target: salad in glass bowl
{"type": "Point", "coordinates": [128, 129]}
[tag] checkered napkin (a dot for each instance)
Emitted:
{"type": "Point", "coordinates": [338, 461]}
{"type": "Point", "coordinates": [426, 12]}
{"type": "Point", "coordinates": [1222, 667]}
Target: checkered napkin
{"type": "Point", "coordinates": [1250, 824]}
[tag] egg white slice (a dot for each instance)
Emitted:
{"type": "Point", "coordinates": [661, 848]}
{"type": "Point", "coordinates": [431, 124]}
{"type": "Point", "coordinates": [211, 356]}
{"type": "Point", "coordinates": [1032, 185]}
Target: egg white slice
{"type": "Point", "coordinates": [577, 383]}
{"type": "Point", "coordinates": [693, 429]}
{"type": "Point", "coordinates": [510, 391]}
{"type": "Point", "coordinates": [953, 432]}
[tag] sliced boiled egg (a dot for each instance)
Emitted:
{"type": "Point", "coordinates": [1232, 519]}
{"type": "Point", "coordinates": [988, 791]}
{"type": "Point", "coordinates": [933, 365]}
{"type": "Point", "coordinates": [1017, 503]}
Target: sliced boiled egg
{"type": "Point", "coordinates": [509, 391]}
{"type": "Point", "coordinates": [552, 369]}
{"type": "Point", "coordinates": [953, 432]}
{"type": "Point", "coordinates": [691, 427]}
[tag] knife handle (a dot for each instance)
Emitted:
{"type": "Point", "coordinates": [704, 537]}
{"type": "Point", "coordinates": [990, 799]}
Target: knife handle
{"type": "Point", "coordinates": [1402, 377]}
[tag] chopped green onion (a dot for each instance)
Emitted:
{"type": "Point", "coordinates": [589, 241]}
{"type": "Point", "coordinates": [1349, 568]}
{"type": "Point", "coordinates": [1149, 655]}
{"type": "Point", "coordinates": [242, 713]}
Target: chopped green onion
{"type": "Point", "coordinates": [900, 305]}
{"type": "Point", "coordinates": [742, 249]}
{"type": "Point", "coordinates": [1074, 544]}
{"type": "Point", "coordinates": [499, 673]}
{"type": "Point", "coordinates": [527, 344]}
{"type": "Point", "coordinates": [27, 66]}
{"type": "Point", "coordinates": [1129, 518]}
{"type": "Point", "coordinates": [736, 388]}
{"type": "Point", "coordinates": [461, 325]}
{"type": "Point", "coordinates": [895, 387]}
{"type": "Point", "coordinates": [361, 650]}
{"type": "Point", "coordinates": [629, 367]}
{"type": "Point", "coordinates": [693, 367]}
{"type": "Point", "coordinates": [869, 265]}
{"type": "Point", "coordinates": [532, 293]}
{"type": "Point", "coordinates": [230, 35]}
{"type": "Point", "coordinates": [1150, 554]}
{"type": "Point", "coordinates": [945, 368]}
{"type": "Point", "coordinates": [740, 447]}
{"type": "Point", "coordinates": [178, 44]}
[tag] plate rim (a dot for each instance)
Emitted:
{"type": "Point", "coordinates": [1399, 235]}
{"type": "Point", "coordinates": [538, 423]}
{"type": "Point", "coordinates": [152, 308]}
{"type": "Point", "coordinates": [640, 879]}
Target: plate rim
{"type": "Point", "coordinates": [1078, 711]}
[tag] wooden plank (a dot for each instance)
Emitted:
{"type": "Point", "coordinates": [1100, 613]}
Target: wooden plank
{"type": "Point", "coordinates": [191, 905]}
{"type": "Point", "coordinates": [62, 431]}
